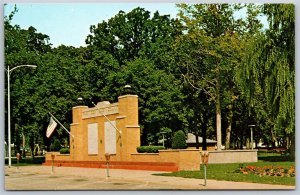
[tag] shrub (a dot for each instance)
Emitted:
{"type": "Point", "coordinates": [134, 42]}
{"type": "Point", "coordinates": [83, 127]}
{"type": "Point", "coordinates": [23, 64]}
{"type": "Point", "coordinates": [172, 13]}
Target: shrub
{"type": "Point", "coordinates": [149, 149]}
{"type": "Point", "coordinates": [64, 151]}
{"type": "Point", "coordinates": [55, 146]}
{"type": "Point", "coordinates": [179, 140]}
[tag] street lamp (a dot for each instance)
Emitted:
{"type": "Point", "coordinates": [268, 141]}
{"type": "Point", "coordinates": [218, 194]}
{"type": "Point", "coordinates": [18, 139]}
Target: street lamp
{"type": "Point", "coordinates": [163, 134]}
{"type": "Point", "coordinates": [8, 106]}
{"type": "Point", "coordinates": [251, 135]}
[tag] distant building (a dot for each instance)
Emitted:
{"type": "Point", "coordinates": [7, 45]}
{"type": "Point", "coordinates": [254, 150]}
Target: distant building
{"type": "Point", "coordinates": [191, 142]}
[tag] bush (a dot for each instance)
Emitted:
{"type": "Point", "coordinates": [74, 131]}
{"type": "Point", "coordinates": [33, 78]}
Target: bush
{"type": "Point", "coordinates": [64, 151]}
{"type": "Point", "coordinates": [149, 149]}
{"type": "Point", "coordinates": [55, 146]}
{"type": "Point", "coordinates": [179, 140]}
{"type": "Point", "coordinates": [28, 160]}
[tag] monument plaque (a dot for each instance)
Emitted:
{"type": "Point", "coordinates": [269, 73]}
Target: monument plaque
{"type": "Point", "coordinates": [93, 138]}
{"type": "Point", "coordinates": [110, 137]}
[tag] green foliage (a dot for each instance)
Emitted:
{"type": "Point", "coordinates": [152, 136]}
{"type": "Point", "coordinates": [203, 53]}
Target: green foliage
{"type": "Point", "coordinates": [160, 96]}
{"type": "Point", "coordinates": [38, 160]}
{"type": "Point", "coordinates": [129, 35]}
{"type": "Point", "coordinates": [64, 151]}
{"type": "Point", "coordinates": [56, 146]}
{"type": "Point", "coordinates": [183, 70]}
{"type": "Point", "coordinates": [149, 149]}
{"type": "Point", "coordinates": [208, 55]}
{"type": "Point", "coordinates": [269, 73]}
{"type": "Point", "coordinates": [179, 140]}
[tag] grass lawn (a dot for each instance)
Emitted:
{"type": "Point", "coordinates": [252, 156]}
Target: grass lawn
{"type": "Point", "coordinates": [230, 172]}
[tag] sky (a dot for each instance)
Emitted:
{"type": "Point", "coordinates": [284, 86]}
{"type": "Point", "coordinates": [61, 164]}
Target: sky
{"type": "Point", "coordinates": [69, 23]}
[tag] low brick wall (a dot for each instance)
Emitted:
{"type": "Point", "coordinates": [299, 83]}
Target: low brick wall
{"type": "Point", "coordinates": [232, 156]}
{"type": "Point", "coordinates": [187, 159]}
{"type": "Point", "coordinates": [145, 157]}
{"type": "Point", "coordinates": [184, 159]}
{"type": "Point", "coordinates": [190, 159]}
{"type": "Point", "coordinates": [58, 156]}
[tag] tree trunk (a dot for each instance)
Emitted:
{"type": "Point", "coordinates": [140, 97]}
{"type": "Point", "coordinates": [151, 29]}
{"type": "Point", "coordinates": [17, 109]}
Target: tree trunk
{"type": "Point", "coordinates": [228, 130]}
{"type": "Point", "coordinates": [31, 143]}
{"type": "Point", "coordinates": [287, 141]}
{"type": "Point", "coordinates": [218, 113]}
{"type": "Point", "coordinates": [273, 138]}
{"type": "Point", "coordinates": [17, 140]}
{"type": "Point", "coordinates": [242, 139]}
{"type": "Point", "coordinates": [292, 147]}
{"type": "Point", "coordinates": [23, 144]}
{"type": "Point", "coordinates": [204, 127]}
{"type": "Point", "coordinates": [197, 140]}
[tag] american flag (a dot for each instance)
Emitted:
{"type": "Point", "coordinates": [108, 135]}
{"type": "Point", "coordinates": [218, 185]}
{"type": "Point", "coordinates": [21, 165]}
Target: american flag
{"type": "Point", "coordinates": [51, 127]}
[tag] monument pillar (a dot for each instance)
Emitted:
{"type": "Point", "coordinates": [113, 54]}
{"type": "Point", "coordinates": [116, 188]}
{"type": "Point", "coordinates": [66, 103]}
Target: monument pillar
{"type": "Point", "coordinates": [128, 107]}
{"type": "Point", "coordinates": [75, 128]}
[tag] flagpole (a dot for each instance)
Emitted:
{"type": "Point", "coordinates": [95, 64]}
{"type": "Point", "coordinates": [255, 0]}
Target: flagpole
{"type": "Point", "coordinates": [62, 125]}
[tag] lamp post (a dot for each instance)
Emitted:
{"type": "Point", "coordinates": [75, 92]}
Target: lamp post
{"type": "Point", "coordinates": [163, 134]}
{"type": "Point", "coordinates": [8, 107]}
{"type": "Point", "coordinates": [251, 135]}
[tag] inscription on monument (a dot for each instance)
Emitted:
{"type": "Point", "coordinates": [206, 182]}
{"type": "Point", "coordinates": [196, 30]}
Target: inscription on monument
{"type": "Point", "coordinates": [99, 111]}
{"type": "Point", "coordinates": [110, 137]}
{"type": "Point", "coordinates": [93, 138]}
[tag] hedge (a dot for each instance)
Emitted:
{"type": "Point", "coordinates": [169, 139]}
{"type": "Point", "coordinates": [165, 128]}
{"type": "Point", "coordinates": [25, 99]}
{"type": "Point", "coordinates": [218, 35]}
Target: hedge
{"type": "Point", "coordinates": [64, 151]}
{"type": "Point", "coordinates": [149, 149]}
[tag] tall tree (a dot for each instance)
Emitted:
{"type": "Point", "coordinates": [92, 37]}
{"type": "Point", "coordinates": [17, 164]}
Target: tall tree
{"type": "Point", "coordinates": [271, 62]}
{"type": "Point", "coordinates": [130, 35]}
{"type": "Point", "coordinates": [23, 47]}
{"type": "Point", "coordinates": [209, 51]}
{"type": "Point", "coordinates": [139, 48]}
{"type": "Point", "coordinates": [160, 97]}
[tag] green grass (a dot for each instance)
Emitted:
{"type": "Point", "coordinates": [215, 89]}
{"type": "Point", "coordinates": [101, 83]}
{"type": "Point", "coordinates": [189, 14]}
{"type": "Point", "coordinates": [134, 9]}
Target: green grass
{"type": "Point", "coordinates": [226, 172]}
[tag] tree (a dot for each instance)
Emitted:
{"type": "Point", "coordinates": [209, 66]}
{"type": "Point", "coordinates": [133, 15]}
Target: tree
{"type": "Point", "coordinates": [271, 63]}
{"type": "Point", "coordinates": [209, 52]}
{"type": "Point", "coordinates": [130, 35]}
{"type": "Point", "coordinates": [23, 47]}
{"type": "Point", "coordinates": [160, 97]}
{"type": "Point", "coordinates": [138, 47]}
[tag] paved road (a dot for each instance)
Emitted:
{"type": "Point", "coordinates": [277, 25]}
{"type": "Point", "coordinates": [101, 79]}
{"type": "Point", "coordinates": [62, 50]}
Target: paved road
{"type": "Point", "coordinates": [71, 178]}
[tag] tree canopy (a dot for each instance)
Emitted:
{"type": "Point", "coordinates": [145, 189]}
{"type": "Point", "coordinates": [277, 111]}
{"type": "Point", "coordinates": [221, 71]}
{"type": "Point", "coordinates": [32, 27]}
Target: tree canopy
{"type": "Point", "coordinates": [206, 72]}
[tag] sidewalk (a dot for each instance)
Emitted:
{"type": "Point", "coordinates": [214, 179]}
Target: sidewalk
{"type": "Point", "coordinates": [73, 178]}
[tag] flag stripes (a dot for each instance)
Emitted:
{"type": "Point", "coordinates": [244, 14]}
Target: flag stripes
{"type": "Point", "coordinates": [51, 127]}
